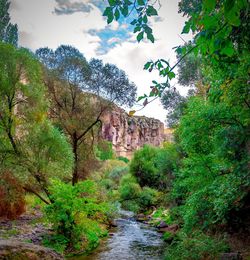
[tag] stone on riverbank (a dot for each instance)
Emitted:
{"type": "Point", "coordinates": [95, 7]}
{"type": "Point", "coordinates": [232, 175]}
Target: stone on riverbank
{"type": "Point", "coordinates": [16, 250]}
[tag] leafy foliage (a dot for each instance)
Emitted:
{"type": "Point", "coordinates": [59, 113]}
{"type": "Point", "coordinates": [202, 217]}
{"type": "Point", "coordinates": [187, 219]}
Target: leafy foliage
{"type": "Point", "coordinates": [211, 180]}
{"type": "Point", "coordinates": [195, 246]}
{"type": "Point", "coordinates": [153, 167]}
{"type": "Point", "coordinates": [111, 83]}
{"type": "Point", "coordinates": [77, 90]}
{"type": "Point", "coordinates": [143, 10]}
{"type": "Point", "coordinates": [8, 31]}
{"type": "Point", "coordinates": [30, 146]}
{"type": "Point", "coordinates": [75, 215]}
{"type": "Point", "coordinates": [104, 150]}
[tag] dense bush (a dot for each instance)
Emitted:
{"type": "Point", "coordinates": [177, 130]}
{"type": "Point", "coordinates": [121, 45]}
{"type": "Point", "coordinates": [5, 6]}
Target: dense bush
{"type": "Point", "coordinates": [144, 166]}
{"type": "Point", "coordinates": [135, 198]}
{"type": "Point", "coordinates": [124, 159]}
{"type": "Point", "coordinates": [76, 215]}
{"type": "Point", "coordinates": [130, 191]}
{"type": "Point", "coordinates": [117, 173]}
{"type": "Point", "coordinates": [154, 167]}
{"type": "Point", "coordinates": [213, 178]}
{"type": "Point", "coordinates": [104, 150]}
{"type": "Point", "coordinates": [148, 198]}
{"type": "Point", "coordinates": [195, 246]}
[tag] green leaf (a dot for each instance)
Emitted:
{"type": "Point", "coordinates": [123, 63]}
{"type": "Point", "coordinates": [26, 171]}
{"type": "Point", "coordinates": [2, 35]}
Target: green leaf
{"type": "Point", "coordinates": [147, 65]}
{"type": "Point", "coordinates": [150, 37]}
{"type": "Point", "coordinates": [171, 75]}
{"type": "Point", "coordinates": [209, 22]}
{"type": "Point", "coordinates": [209, 5]}
{"type": "Point", "coordinates": [124, 10]}
{"type": "Point", "coordinates": [133, 22]}
{"type": "Point", "coordinates": [145, 19]}
{"type": "Point", "coordinates": [137, 29]}
{"type": "Point", "coordinates": [117, 14]}
{"type": "Point", "coordinates": [232, 13]}
{"type": "Point", "coordinates": [159, 65]}
{"type": "Point", "coordinates": [179, 50]}
{"type": "Point", "coordinates": [128, 2]}
{"type": "Point", "coordinates": [147, 29]}
{"type": "Point", "coordinates": [107, 11]}
{"type": "Point", "coordinates": [151, 11]}
{"type": "Point", "coordinates": [140, 2]}
{"type": "Point", "coordinates": [186, 28]}
{"type": "Point", "coordinates": [228, 49]}
{"type": "Point", "coordinates": [233, 18]}
{"type": "Point", "coordinates": [140, 36]}
{"type": "Point", "coordinates": [112, 2]}
{"type": "Point", "coordinates": [141, 97]}
{"type": "Point", "coordinates": [110, 18]}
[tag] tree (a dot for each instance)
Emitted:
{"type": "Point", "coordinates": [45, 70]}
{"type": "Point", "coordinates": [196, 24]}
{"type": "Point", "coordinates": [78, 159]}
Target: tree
{"type": "Point", "coordinates": [189, 69]}
{"type": "Point", "coordinates": [30, 147]}
{"type": "Point", "coordinates": [80, 94]}
{"type": "Point", "coordinates": [111, 83]}
{"type": "Point", "coordinates": [8, 31]}
{"type": "Point", "coordinates": [175, 103]}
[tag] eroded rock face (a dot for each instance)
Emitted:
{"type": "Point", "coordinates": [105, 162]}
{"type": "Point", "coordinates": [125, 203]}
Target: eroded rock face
{"type": "Point", "coordinates": [15, 250]}
{"type": "Point", "coordinates": [128, 134]}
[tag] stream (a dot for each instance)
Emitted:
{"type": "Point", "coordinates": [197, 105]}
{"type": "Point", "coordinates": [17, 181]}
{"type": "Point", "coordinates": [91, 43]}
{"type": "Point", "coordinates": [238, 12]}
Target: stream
{"type": "Point", "coordinates": [129, 241]}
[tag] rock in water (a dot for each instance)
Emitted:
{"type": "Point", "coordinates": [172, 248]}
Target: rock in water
{"type": "Point", "coordinates": [16, 250]}
{"type": "Point", "coordinates": [163, 224]}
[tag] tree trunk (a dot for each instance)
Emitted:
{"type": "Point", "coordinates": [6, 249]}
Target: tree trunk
{"type": "Point", "coordinates": [75, 172]}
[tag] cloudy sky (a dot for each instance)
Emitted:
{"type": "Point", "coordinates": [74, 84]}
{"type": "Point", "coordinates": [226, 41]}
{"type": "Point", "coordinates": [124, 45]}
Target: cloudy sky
{"type": "Point", "coordinates": [49, 23]}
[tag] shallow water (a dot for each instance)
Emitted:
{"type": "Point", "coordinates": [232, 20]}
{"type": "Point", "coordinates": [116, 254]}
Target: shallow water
{"type": "Point", "coordinates": [130, 240]}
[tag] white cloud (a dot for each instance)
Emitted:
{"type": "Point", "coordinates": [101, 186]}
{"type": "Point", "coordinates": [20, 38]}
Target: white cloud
{"type": "Point", "coordinates": [35, 18]}
{"type": "Point", "coordinates": [114, 25]}
{"type": "Point", "coordinates": [114, 40]}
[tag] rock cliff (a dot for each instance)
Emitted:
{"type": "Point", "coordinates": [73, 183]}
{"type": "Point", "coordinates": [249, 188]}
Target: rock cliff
{"type": "Point", "coordinates": [128, 134]}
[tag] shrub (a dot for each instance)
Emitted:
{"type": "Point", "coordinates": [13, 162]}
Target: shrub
{"type": "Point", "coordinates": [130, 191]}
{"type": "Point", "coordinates": [12, 200]}
{"type": "Point", "coordinates": [117, 173]}
{"type": "Point", "coordinates": [163, 214]}
{"type": "Point", "coordinates": [104, 150]}
{"type": "Point", "coordinates": [148, 197]}
{"type": "Point", "coordinates": [75, 215]}
{"type": "Point", "coordinates": [143, 166]}
{"type": "Point", "coordinates": [131, 205]}
{"type": "Point", "coordinates": [154, 167]}
{"type": "Point", "coordinates": [195, 246]}
{"type": "Point", "coordinates": [107, 167]}
{"type": "Point", "coordinates": [123, 159]}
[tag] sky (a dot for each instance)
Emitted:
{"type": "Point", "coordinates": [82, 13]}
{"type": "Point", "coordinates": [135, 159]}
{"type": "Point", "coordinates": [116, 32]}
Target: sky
{"type": "Point", "coordinates": [50, 23]}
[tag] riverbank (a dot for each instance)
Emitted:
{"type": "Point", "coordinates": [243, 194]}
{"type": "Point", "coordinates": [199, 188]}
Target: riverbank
{"type": "Point", "coordinates": [127, 239]}
{"type": "Point", "coordinates": [130, 240]}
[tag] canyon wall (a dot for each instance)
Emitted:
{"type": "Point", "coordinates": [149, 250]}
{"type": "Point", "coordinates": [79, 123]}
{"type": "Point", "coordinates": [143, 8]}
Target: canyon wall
{"type": "Point", "coordinates": [128, 134]}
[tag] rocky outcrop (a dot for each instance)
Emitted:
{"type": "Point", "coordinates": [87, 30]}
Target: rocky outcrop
{"type": "Point", "coordinates": [15, 250]}
{"type": "Point", "coordinates": [128, 134]}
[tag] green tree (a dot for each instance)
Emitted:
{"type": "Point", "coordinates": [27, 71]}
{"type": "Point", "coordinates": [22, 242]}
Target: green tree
{"type": "Point", "coordinates": [77, 90]}
{"type": "Point", "coordinates": [30, 146]}
{"type": "Point", "coordinates": [8, 31]}
{"type": "Point", "coordinates": [175, 103]}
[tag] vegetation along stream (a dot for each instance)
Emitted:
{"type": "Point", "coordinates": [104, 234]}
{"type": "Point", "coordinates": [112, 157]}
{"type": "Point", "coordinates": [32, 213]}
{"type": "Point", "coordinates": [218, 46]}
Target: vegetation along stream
{"type": "Point", "coordinates": [130, 240]}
